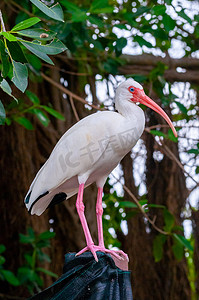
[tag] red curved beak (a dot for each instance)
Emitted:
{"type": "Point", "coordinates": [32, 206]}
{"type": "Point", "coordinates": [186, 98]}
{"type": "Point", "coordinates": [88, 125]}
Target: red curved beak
{"type": "Point", "coordinates": [140, 96]}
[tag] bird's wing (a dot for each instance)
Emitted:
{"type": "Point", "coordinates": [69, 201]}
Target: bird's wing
{"type": "Point", "coordinates": [75, 154]}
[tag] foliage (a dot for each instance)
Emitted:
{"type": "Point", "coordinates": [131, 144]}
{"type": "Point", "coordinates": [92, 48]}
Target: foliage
{"type": "Point", "coordinates": [95, 34]}
{"type": "Point", "coordinates": [192, 276]}
{"type": "Point", "coordinates": [116, 210]}
{"type": "Point", "coordinates": [89, 32]}
{"type": "Point", "coordinates": [28, 275]}
{"type": "Point", "coordinates": [18, 58]}
{"type": "Point", "coordinates": [6, 275]}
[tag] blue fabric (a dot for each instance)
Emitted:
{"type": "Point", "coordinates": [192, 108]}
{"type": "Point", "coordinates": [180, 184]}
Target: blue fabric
{"type": "Point", "coordinates": [83, 278]}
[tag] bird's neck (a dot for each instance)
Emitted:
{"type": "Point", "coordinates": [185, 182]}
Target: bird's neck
{"type": "Point", "coordinates": [129, 110]}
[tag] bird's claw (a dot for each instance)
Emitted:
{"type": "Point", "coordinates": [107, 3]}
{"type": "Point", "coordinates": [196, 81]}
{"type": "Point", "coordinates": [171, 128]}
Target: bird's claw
{"type": "Point", "coordinates": [89, 248]}
{"type": "Point", "coordinates": [119, 254]}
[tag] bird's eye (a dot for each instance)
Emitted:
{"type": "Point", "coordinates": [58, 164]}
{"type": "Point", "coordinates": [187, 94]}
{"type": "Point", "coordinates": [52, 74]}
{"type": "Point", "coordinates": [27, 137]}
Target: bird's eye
{"type": "Point", "coordinates": [131, 89]}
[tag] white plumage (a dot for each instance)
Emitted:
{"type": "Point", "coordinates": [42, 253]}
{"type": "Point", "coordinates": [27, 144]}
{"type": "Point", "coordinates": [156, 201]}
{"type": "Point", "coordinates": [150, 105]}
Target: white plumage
{"type": "Point", "coordinates": [88, 152]}
{"type": "Point", "coordinates": [91, 148]}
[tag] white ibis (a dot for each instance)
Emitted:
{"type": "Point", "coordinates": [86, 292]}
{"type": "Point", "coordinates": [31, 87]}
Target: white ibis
{"type": "Point", "coordinates": [87, 153]}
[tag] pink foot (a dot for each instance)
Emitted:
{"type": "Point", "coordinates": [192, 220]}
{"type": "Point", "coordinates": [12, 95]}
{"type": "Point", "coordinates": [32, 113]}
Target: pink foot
{"type": "Point", "coordinates": [119, 254]}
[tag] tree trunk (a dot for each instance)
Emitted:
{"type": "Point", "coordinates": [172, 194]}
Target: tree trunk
{"type": "Point", "coordinates": [22, 153]}
{"type": "Point", "coordinates": [165, 184]}
{"type": "Point", "coordinates": [195, 222]}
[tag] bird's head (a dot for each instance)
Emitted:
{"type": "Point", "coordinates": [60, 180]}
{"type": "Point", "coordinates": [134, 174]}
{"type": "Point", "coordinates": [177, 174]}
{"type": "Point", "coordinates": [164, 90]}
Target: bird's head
{"type": "Point", "coordinates": [133, 92]}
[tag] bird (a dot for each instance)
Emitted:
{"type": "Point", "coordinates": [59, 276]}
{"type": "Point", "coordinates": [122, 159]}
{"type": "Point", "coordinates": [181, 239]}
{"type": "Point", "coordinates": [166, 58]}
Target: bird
{"type": "Point", "coordinates": [87, 153]}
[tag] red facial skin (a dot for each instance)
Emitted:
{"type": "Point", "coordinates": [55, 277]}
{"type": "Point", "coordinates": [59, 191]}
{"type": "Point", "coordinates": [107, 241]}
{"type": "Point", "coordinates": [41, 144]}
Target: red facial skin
{"type": "Point", "coordinates": [139, 95]}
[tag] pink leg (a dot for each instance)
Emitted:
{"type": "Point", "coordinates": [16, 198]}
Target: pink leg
{"type": "Point", "coordinates": [80, 210]}
{"type": "Point", "coordinates": [99, 213]}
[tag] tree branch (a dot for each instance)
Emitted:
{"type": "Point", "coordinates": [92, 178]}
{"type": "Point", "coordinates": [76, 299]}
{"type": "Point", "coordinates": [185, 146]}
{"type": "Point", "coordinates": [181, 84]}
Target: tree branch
{"type": "Point", "coordinates": [151, 60]}
{"type": "Point", "coordinates": [2, 22]}
{"type": "Point", "coordinates": [69, 93]}
{"type": "Point", "coordinates": [152, 222]}
{"type": "Point", "coordinates": [170, 154]}
{"type": "Point", "coordinates": [73, 108]}
{"type": "Point", "coordinates": [144, 64]}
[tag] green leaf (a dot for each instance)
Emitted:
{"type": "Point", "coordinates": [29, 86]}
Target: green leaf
{"type": "Point", "coordinates": [32, 97]}
{"type": "Point", "coordinates": [121, 43]}
{"type": "Point", "coordinates": [171, 136]}
{"type": "Point", "coordinates": [41, 116]}
{"type": "Point", "coordinates": [158, 244]}
{"type": "Point", "coordinates": [26, 239]}
{"type": "Point", "coordinates": [130, 204]}
{"type": "Point", "coordinates": [104, 10]}
{"type": "Point", "coordinates": [156, 206]}
{"type": "Point", "coordinates": [31, 232]}
{"type": "Point", "coordinates": [96, 4]}
{"type": "Point", "coordinates": [43, 256]}
{"type": "Point", "coordinates": [127, 204]}
{"type": "Point", "coordinates": [10, 37]}
{"type": "Point", "coordinates": [6, 88]}
{"type": "Point", "coordinates": [53, 112]}
{"type": "Point", "coordinates": [79, 16]}
{"type": "Point", "coordinates": [197, 31]}
{"type": "Point", "coordinates": [169, 23]}
{"type": "Point", "coordinates": [160, 34]}
{"type": "Point", "coordinates": [70, 6]}
{"type": "Point", "coordinates": [178, 228]}
{"type": "Point", "coordinates": [57, 9]}
{"type": "Point", "coordinates": [4, 60]}
{"type": "Point", "coordinates": [121, 26]}
{"type": "Point", "coordinates": [10, 277]}
{"type": "Point", "coordinates": [24, 122]}
{"type": "Point", "coordinates": [38, 34]}
{"type": "Point", "coordinates": [193, 151]}
{"type": "Point", "coordinates": [2, 260]}
{"type": "Point", "coordinates": [178, 249]}
{"type": "Point", "coordinates": [141, 10]}
{"type": "Point", "coordinates": [158, 133]}
{"type": "Point", "coordinates": [2, 114]}
{"type": "Point", "coordinates": [46, 235]}
{"type": "Point", "coordinates": [54, 13]}
{"type": "Point", "coordinates": [158, 10]}
{"type": "Point", "coordinates": [2, 248]}
{"type": "Point", "coordinates": [26, 274]}
{"type": "Point", "coordinates": [55, 47]}
{"type": "Point", "coordinates": [96, 20]}
{"type": "Point", "coordinates": [26, 24]}
{"type": "Point", "coordinates": [183, 241]}
{"type": "Point", "coordinates": [181, 107]}
{"type": "Point", "coordinates": [169, 220]}
{"type": "Point", "coordinates": [183, 15]}
{"type": "Point", "coordinates": [35, 49]}
{"type": "Point", "coordinates": [20, 76]}
{"type": "Point", "coordinates": [102, 6]}
{"type": "Point", "coordinates": [142, 42]}
{"type": "Point", "coordinates": [43, 244]}
{"type": "Point", "coordinates": [16, 52]}
{"type": "Point", "coordinates": [34, 62]}
{"type": "Point", "coordinates": [29, 259]}
{"type": "Point", "coordinates": [197, 170]}
{"type": "Point", "coordinates": [47, 272]}
{"type": "Point", "coordinates": [8, 121]}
